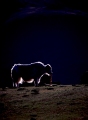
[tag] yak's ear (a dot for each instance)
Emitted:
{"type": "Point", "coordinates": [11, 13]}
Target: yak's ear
{"type": "Point", "coordinates": [48, 66]}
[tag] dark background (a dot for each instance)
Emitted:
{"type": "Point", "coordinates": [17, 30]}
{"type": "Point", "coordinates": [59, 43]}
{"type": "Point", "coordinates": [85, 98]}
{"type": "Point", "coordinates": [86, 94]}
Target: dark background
{"type": "Point", "coordinates": [55, 34]}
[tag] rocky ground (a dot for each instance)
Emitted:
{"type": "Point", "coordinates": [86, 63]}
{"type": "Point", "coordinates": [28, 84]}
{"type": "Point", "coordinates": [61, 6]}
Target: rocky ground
{"type": "Point", "coordinates": [60, 102]}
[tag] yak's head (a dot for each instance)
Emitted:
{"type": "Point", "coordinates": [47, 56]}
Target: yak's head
{"type": "Point", "coordinates": [44, 79]}
{"type": "Point", "coordinates": [48, 69]}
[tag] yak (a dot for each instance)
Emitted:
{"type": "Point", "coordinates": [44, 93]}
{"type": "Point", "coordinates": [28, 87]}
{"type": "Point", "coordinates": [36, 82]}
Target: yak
{"type": "Point", "coordinates": [32, 72]}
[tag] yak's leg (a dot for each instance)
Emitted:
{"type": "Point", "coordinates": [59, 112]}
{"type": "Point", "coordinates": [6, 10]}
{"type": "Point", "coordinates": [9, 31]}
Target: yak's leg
{"type": "Point", "coordinates": [36, 82]}
{"type": "Point", "coordinates": [50, 80]}
{"type": "Point", "coordinates": [13, 83]}
{"type": "Point", "coordinates": [16, 83]}
{"type": "Point", "coordinates": [20, 80]}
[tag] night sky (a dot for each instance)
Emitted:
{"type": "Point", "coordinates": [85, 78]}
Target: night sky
{"type": "Point", "coordinates": [59, 40]}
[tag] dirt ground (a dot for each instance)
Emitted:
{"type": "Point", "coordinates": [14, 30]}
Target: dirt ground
{"type": "Point", "coordinates": [60, 102]}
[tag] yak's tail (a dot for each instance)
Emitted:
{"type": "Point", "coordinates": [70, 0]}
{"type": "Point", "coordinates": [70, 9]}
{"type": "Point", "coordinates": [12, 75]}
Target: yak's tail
{"type": "Point", "coordinates": [12, 70]}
